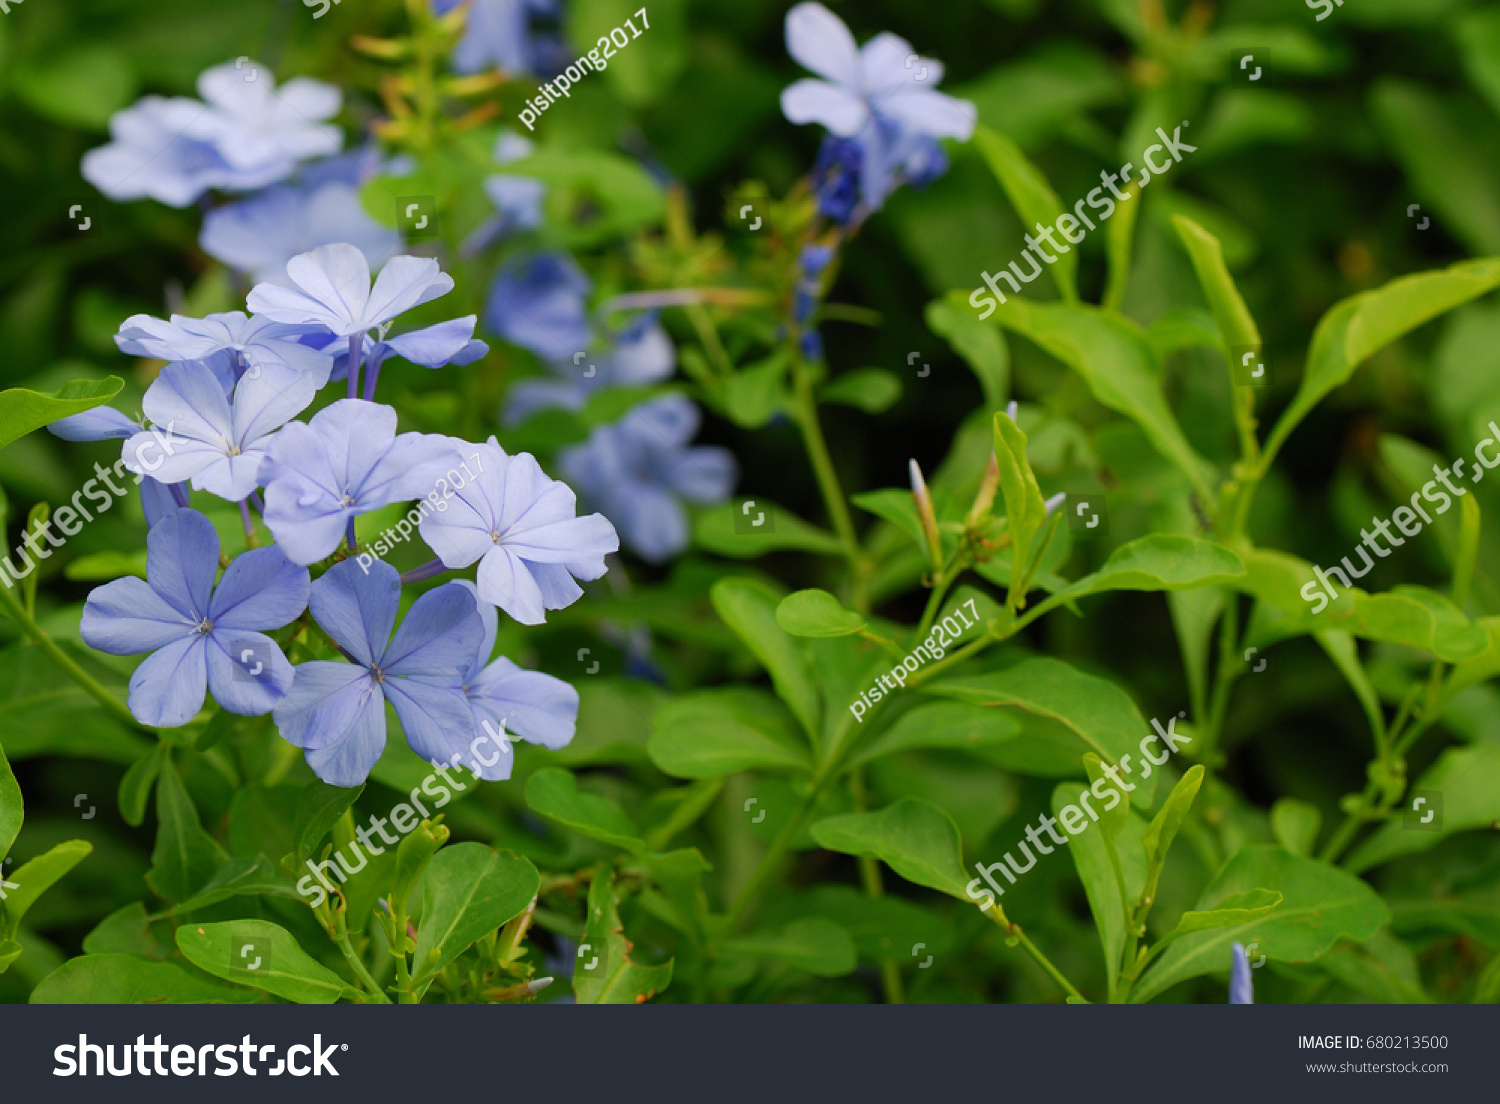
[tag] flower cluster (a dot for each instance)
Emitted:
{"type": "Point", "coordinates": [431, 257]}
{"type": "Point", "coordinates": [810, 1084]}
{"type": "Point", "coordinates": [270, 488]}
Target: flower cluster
{"type": "Point", "coordinates": [222, 412]}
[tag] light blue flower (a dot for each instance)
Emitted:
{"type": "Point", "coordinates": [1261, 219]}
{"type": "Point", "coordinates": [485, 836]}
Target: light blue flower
{"type": "Point", "coordinates": [520, 526]}
{"type": "Point", "coordinates": [538, 303]}
{"type": "Point", "coordinates": [246, 134]}
{"type": "Point", "coordinates": [259, 235]}
{"type": "Point", "coordinates": [502, 34]}
{"type": "Point", "coordinates": [348, 460]}
{"type": "Point", "coordinates": [451, 342]}
{"type": "Point", "coordinates": [216, 442]}
{"type": "Point", "coordinates": [882, 96]}
{"type": "Point", "coordinates": [515, 702]}
{"type": "Point", "coordinates": [201, 637]}
{"type": "Point", "coordinates": [332, 290]}
{"type": "Point", "coordinates": [336, 711]}
{"type": "Point", "coordinates": [1241, 989]}
{"type": "Point", "coordinates": [642, 355]}
{"type": "Point", "coordinates": [249, 341]}
{"type": "Point", "coordinates": [637, 469]}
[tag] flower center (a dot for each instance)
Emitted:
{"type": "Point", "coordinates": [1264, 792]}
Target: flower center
{"type": "Point", "coordinates": [495, 535]}
{"type": "Point", "coordinates": [204, 627]}
{"type": "Point", "coordinates": [377, 674]}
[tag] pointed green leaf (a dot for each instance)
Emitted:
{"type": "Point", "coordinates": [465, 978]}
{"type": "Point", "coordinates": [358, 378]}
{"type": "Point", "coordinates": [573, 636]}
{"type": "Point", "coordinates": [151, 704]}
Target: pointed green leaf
{"type": "Point", "coordinates": [1295, 824]}
{"type": "Point", "coordinates": [979, 343]}
{"type": "Point", "coordinates": [873, 390]}
{"type": "Point", "coordinates": [1090, 855]}
{"type": "Point", "coordinates": [1025, 510]}
{"type": "Point", "coordinates": [941, 725]}
{"type": "Point", "coordinates": [135, 787]}
{"type": "Point", "coordinates": [11, 806]}
{"type": "Point", "coordinates": [728, 529]}
{"type": "Point", "coordinates": [914, 838]}
{"type": "Point", "coordinates": [1032, 197]}
{"type": "Point", "coordinates": [264, 956]}
{"type": "Point", "coordinates": [33, 878]}
{"type": "Point", "coordinates": [715, 732]}
{"type": "Point", "coordinates": [1236, 326]}
{"type": "Point", "coordinates": [1161, 561]}
{"type": "Point", "coordinates": [22, 411]}
{"type": "Point", "coordinates": [1241, 908]}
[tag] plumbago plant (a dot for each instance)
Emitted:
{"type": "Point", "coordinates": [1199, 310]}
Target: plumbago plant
{"type": "Point", "coordinates": [786, 794]}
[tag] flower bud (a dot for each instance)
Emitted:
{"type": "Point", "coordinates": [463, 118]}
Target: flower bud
{"type": "Point", "coordinates": [926, 515]}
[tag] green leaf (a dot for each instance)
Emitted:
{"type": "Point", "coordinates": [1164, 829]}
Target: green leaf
{"type": "Point", "coordinates": [22, 411]}
{"type": "Point", "coordinates": [979, 343]}
{"type": "Point", "coordinates": [1112, 820]}
{"type": "Point", "coordinates": [318, 810]}
{"type": "Point", "coordinates": [814, 944]}
{"type": "Point", "coordinates": [1341, 648]}
{"type": "Point", "coordinates": [1465, 777]}
{"type": "Point", "coordinates": [1097, 711]}
{"type": "Point", "coordinates": [185, 856]}
{"type": "Point", "coordinates": [34, 878]}
{"type": "Point", "coordinates": [604, 972]}
{"type": "Point", "coordinates": [554, 793]}
{"type": "Point", "coordinates": [1356, 328]}
{"type": "Point", "coordinates": [264, 956]}
{"type": "Point", "coordinates": [1119, 249]}
{"type": "Point", "coordinates": [1321, 904]}
{"type": "Point", "coordinates": [873, 390]}
{"type": "Point", "coordinates": [1295, 824]}
{"type": "Point", "coordinates": [914, 838]}
{"type": "Point", "coordinates": [1105, 895]}
{"type": "Point", "coordinates": [11, 806]}
{"type": "Point", "coordinates": [469, 891]}
{"type": "Point", "coordinates": [1241, 908]}
{"type": "Point", "coordinates": [726, 529]}
{"type": "Point", "coordinates": [1236, 326]}
{"type": "Point", "coordinates": [895, 506]}
{"type": "Point", "coordinates": [1161, 561]}
{"type": "Point", "coordinates": [1025, 510]}
{"type": "Point", "coordinates": [1115, 359]}
{"type": "Point", "coordinates": [81, 86]}
{"type": "Point", "coordinates": [956, 725]}
{"type": "Point", "coordinates": [749, 608]}
{"type": "Point", "coordinates": [884, 929]}
{"type": "Point", "coordinates": [817, 613]}
{"type": "Point", "coordinates": [253, 876]}
{"type": "Point", "coordinates": [716, 732]}
{"type": "Point", "coordinates": [135, 786]}
{"type": "Point", "coordinates": [1031, 196]}
{"type": "Point", "coordinates": [1164, 826]}
{"type": "Point", "coordinates": [126, 979]}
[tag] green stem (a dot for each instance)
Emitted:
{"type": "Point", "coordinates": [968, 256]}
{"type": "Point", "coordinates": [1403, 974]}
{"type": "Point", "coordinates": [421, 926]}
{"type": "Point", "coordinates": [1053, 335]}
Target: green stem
{"type": "Point", "coordinates": [341, 937]}
{"type": "Point", "coordinates": [869, 876]}
{"type": "Point", "coordinates": [774, 854]}
{"type": "Point", "coordinates": [1013, 931]}
{"type": "Point", "coordinates": [828, 480]}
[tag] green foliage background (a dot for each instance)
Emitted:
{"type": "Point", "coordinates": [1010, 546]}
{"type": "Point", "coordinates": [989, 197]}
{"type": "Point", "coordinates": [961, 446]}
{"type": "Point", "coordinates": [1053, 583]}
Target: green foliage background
{"type": "Point", "coordinates": [1306, 183]}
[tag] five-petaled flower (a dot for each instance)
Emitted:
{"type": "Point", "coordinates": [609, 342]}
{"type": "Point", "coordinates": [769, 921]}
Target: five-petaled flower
{"type": "Point", "coordinates": [336, 711]}
{"type": "Point", "coordinates": [333, 290]}
{"type": "Point", "coordinates": [519, 524]}
{"type": "Point", "coordinates": [200, 636]}
{"type": "Point", "coordinates": [347, 460]}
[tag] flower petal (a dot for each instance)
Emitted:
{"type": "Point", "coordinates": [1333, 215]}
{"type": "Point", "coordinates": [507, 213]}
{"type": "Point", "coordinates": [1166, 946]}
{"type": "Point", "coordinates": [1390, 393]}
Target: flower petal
{"type": "Point", "coordinates": [247, 673]}
{"type": "Point", "coordinates": [100, 424]}
{"type": "Point", "coordinates": [505, 582]}
{"type": "Point", "coordinates": [490, 621]}
{"type": "Point", "coordinates": [883, 66]}
{"type": "Point", "coordinates": [815, 101]}
{"type": "Point", "coordinates": [325, 699]}
{"type": "Point", "coordinates": [438, 637]}
{"type": "Point", "coordinates": [261, 589]}
{"type": "Point", "coordinates": [182, 558]}
{"type": "Point", "coordinates": [436, 719]}
{"type": "Point", "coordinates": [533, 705]}
{"type": "Point", "coordinates": [167, 689]}
{"type": "Point", "coordinates": [930, 112]}
{"type": "Point", "coordinates": [820, 41]}
{"type": "Point", "coordinates": [126, 616]}
{"type": "Point", "coordinates": [435, 346]}
{"type": "Point", "coordinates": [358, 608]}
{"type": "Point", "coordinates": [404, 283]}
